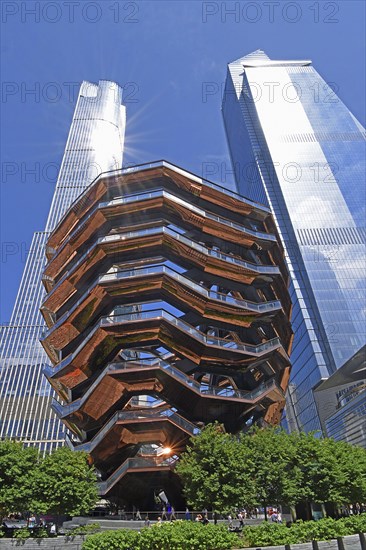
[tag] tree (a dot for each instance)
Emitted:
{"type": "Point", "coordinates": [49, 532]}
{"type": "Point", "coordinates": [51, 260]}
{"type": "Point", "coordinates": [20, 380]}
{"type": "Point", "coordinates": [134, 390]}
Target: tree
{"type": "Point", "coordinates": [60, 483]}
{"type": "Point", "coordinates": [353, 461]}
{"type": "Point", "coordinates": [17, 465]}
{"type": "Point", "coordinates": [212, 471]}
{"type": "Point", "coordinates": [328, 471]}
{"type": "Point", "coordinates": [271, 452]}
{"type": "Point", "coordinates": [268, 466]}
{"type": "Point", "coordinates": [65, 484]}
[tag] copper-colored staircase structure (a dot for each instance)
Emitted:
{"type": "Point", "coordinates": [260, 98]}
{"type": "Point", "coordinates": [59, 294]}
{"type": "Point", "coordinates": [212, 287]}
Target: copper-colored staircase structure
{"type": "Point", "coordinates": [167, 309]}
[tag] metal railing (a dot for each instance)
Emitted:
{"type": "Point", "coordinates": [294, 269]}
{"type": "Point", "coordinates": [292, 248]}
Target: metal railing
{"type": "Point", "coordinates": [134, 464]}
{"type": "Point", "coordinates": [156, 314]}
{"type": "Point", "coordinates": [274, 270]}
{"type": "Point", "coordinates": [256, 268]}
{"type": "Point", "coordinates": [188, 329]}
{"type": "Point", "coordinates": [64, 410]}
{"type": "Point", "coordinates": [164, 164]}
{"type": "Point", "coordinates": [264, 307]}
{"type": "Point", "coordinates": [140, 415]}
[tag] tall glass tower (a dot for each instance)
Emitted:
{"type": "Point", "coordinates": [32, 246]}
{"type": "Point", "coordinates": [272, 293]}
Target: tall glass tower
{"type": "Point", "coordinates": [296, 147]}
{"type": "Point", "coordinates": [94, 145]}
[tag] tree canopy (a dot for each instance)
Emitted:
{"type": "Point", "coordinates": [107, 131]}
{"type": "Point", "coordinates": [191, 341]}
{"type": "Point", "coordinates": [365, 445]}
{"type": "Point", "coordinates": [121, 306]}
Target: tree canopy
{"type": "Point", "coordinates": [269, 466]}
{"type": "Point", "coordinates": [60, 483]}
{"type": "Point", "coordinates": [17, 465]}
{"type": "Point", "coordinates": [212, 472]}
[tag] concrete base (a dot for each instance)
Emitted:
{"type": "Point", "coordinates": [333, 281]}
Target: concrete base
{"type": "Point", "coordinates": [55, 543]}
{"type": "Point", "coordinates": [351, 542]}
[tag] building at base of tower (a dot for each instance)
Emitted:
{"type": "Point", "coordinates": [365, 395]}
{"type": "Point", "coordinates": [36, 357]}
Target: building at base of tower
{"type": "Point", "coordinates": [167, 308]}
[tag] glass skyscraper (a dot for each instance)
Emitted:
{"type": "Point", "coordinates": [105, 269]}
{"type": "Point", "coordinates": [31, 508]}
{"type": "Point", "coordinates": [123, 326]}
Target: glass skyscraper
{"type": "Point", "coordinates": [94, 145]}
{"type": "Point", "coordinates": [296, 147]}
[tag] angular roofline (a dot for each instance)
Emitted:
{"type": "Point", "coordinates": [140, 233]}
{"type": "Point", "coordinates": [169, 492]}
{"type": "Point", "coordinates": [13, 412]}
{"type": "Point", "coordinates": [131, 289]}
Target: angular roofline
{"type": "Point", "coordinates": [259, 58]}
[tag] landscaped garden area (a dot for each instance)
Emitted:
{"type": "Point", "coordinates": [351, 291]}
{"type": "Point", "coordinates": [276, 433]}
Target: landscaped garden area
{"type": "Point", "coordinates": [220, 472]}
{"type": "Point", "coordinates": [188, 535]}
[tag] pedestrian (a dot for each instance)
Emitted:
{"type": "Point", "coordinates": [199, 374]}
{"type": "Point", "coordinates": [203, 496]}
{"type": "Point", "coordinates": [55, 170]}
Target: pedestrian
{"type": "Point", "coordinates": [31, 521]}
{"type": "Point", "coordinates": [172, 514]}
{"type": "Point", "coordinates": [160, 521]}
{"type": "Point", "coordinates": [163, 515]}
{"type": "Point", "coordinates": [147, 522]}
{"type": "Point", "coordinates": [241, 520]}
{"type": "Point", "coordinates": [138, 515]}
{"type": "Point", "coordinates": [230, 521]}
{"type": "Point", "coordinates": [187, 514]}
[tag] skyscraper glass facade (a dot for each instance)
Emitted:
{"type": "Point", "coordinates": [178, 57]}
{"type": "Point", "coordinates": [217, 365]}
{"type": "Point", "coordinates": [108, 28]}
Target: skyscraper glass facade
{"type": "Point", "coordinates": [297, 148]}
{"type": "Point", "coordinates": [94, 145]}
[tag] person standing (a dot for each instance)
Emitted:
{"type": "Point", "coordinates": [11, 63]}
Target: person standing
{"type": "Point", "coordinates": [31, 521]}
{"type": "Point", "coordinates": [241, 520]}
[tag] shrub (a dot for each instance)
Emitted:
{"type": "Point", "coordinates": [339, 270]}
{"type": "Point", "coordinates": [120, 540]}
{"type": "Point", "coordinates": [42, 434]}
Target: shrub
{"type": "Point", "coordinates": [324, 529]}
{"type": "Point", "coordinates": [355, 524]}
{"type": "Point", "coordinates": [179, 535]}
{"type": "Point", "coordinates": [182, 535]}
{"type": "Point", "coordinates": [41, 533]}
{"type": "Point", "coordinates": [268, 534]}
{"type": "Point", "coordinates": [88, 529]}
{"type": "Point", "coordinates": [123, 539]}
{"type": "Point", "coordinates": [22, 534]}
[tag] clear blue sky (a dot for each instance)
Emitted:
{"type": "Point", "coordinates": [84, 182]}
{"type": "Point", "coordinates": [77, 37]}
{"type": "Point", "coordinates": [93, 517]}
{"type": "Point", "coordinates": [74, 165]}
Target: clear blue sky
{"type": "Point", "coordinates": [165, 53]}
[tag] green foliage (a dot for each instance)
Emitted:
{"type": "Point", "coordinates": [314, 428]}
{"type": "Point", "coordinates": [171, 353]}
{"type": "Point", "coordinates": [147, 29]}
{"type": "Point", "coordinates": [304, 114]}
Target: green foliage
{"type": "Point", "coordinates": [179, 535]}
{"type": "Point", "coordinates": [25, 533]}
{"type": "Point", "coordinates": [17, 465]}
{"type": "Point", "coordinates": [272, 454]}
{"type": "Point", "coordinates": [65, 484]}
{"type": "Point", "coordinates": [355, 524]}
{"type": "Point", "coordinates": [268, 466]}
{"type": "Point", "coordinates": [87, 529]}
{"type": "Point", "coordinates": [267, 534]}
{"type": "Point", "coordinates": [212, 472]}
{"type": "Point", "coordinates": [22, 534]}
{"type": "Point", "coordinates": [41, 533]}
{"type": "Point", "coordinates": [271, 534]}
{"type": "Point", "coordinates": [112, 540]}
{"type": "Point", "coordinates": [61, 483]}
